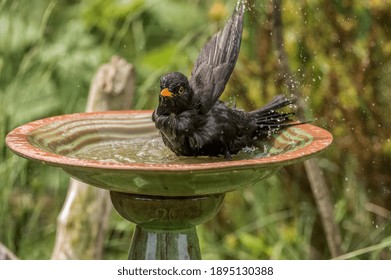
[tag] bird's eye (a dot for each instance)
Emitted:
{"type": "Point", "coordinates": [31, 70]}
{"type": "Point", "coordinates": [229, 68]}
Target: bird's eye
{"type": "Point", "coordinates": [181, 90]}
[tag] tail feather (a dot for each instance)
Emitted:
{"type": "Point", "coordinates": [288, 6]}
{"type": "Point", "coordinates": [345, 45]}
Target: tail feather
{"type": "Point", "coordinates": [278, 102]}
{"type": "Point", "coordinates": [269, 120]}
{"type": "Point", "coordinates": [274, 117]}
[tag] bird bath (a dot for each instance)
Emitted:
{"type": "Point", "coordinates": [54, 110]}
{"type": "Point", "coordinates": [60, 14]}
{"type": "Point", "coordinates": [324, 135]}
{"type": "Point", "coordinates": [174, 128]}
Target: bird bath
{"type": "Point", "coordinates": [164, 195]}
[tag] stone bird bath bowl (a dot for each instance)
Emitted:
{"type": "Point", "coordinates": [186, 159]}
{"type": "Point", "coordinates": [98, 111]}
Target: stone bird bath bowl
{"type": "Point", "coordinates": [164, 195]}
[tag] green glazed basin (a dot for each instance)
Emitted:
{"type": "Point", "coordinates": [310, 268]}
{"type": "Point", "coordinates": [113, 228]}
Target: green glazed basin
{"type": "Point", "coordinates": [122, 151]}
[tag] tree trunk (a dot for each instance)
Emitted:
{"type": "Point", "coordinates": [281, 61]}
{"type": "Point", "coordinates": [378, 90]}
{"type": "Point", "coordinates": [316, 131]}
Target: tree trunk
{"type": "Point", "coordinates": [314, 173]}
{"type": "Point", "coordinates": [83, 221]}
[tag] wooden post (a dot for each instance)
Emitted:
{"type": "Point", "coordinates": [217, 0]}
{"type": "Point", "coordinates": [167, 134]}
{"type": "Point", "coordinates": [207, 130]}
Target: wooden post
{"type": "Point", "coordinates": [83, 221]}
{"type": "Point", "coordinates": [6, 254]}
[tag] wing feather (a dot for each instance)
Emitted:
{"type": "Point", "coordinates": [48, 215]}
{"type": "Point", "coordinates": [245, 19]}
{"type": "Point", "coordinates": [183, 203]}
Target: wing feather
{"type": "Point", "coordinates": [216, 61]}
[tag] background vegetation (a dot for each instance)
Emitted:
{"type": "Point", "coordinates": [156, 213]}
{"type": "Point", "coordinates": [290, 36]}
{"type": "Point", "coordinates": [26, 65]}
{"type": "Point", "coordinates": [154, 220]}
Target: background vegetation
{"type": "Point", "coordinates": [340, 55]}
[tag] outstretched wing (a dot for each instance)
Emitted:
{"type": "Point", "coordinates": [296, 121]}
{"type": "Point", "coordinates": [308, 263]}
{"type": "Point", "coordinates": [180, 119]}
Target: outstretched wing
{"type": "Point", "coordinates": [217, 60]}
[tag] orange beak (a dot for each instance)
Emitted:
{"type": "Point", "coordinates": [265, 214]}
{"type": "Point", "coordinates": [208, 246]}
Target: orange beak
{"type": "Point", "coordinates": [166, 93]}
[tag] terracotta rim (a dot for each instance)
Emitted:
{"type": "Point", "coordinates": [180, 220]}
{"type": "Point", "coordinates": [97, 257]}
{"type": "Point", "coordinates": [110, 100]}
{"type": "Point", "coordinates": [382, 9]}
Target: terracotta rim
{"type": "Point", "coordinates": [17, 141]}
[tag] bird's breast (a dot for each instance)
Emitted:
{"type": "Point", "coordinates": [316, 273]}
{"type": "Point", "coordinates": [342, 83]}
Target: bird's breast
{"type": "Point", "coordinates": [168, 125]}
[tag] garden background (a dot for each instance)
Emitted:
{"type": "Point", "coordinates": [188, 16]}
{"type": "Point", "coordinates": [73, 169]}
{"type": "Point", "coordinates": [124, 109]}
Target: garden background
{"type": "Point", "coordinates": [339, 54]}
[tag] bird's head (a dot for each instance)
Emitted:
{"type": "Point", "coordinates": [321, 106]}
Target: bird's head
{"type": "Point", "coordinates": [175, 93]}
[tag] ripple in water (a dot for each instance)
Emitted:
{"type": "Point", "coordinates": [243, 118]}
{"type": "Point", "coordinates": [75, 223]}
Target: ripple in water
{"type": "Point", "coordinates": [151, 150]}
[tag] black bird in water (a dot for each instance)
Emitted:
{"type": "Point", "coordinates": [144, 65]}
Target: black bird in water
{"type": "Point", "coordinates": [191, 119]}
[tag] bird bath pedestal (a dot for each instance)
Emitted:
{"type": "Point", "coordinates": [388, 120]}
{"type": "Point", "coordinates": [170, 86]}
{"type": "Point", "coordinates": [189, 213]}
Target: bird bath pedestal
{"type": "Point", "coordinates": [165, 196]}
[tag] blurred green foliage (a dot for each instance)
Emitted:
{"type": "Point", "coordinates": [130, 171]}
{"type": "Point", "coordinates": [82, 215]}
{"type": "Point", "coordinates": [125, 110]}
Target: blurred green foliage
{"type": "Point", "coordinates": [340, 55]}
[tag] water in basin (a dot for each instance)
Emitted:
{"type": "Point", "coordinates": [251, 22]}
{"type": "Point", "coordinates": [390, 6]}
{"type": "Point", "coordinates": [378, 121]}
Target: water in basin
{"type": "Point", "coordinates": [131, 139]}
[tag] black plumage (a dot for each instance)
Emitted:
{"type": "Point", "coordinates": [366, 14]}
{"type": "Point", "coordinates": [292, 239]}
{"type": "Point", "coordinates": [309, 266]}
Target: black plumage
{"type": "Point", "coordinates": [191, 119]}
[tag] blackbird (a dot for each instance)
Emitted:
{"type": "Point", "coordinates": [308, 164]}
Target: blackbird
{"type": "Point", "coordinates": [191, 119]}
